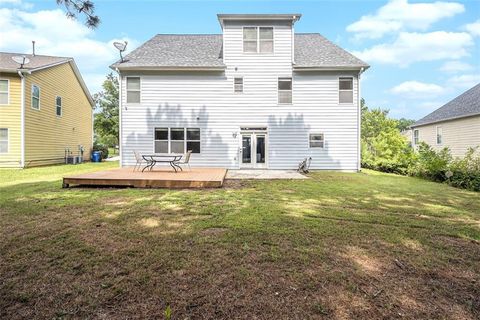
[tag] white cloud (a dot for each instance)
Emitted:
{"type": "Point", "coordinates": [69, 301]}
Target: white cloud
{"type": "Point", "coordinates": [473, 28]}
{"type": "Point", "coordinates": [455, 66]}
{"type": "Point", "coordinates": [417, 47]}
{"type": "Point", "coordinates": [55, 34]}
{"type": "Point", "coordinates": [416, 89]}
{"type": "Point", "coordinates": [399, 15]}
{"type": "Point", "coordinates": [465, 81]}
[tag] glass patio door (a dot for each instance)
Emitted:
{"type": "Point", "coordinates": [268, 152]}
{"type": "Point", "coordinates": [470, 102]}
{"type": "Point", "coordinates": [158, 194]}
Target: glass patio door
{"type": "Point", "coordinates": [253, 150]}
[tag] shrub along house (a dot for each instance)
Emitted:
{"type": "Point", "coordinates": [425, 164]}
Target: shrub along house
{"type": "Point", "coordinates": [258, 95]}
{"type": "Point", "coordinates": [45, 109]}
{"type": "Point", "coordinates": [455, 125]}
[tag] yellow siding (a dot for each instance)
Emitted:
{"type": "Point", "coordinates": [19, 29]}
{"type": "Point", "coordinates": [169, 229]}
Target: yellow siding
{"type": "Point", "coordinates": [458, 135]}
{"type": "Point", "coordinates": [46, 134]}
{"type": "Point", "coordinates": [10, 117]}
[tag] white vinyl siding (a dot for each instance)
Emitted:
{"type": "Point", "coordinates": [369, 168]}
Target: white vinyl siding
{"type": "Point", "coordinates": [35, 97]}
{"type": "Point", "coordinates": [4, 91]}
{"type": "Point", "coordinates": [3, 140]}
{"type": "Point", "coordinates": [206, 100]}
{"type": "Point", "coordinates": [133, 89]}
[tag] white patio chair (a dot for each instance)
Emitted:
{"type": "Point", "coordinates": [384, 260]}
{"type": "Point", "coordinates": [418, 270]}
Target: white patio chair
{"type": "Point", "coordinates": [139, 160]}
{"type": "Point", "coordinates": [185, 160]}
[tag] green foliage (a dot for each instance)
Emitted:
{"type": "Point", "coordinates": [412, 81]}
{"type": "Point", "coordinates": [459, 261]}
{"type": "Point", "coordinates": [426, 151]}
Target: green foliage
{"type": "Point", "coordinates": [106, 123]}
{"type": "Point", "coordinates": [431, 164]}
{"type": "Point", "coordinates": [168, 313]}
{"type": "Point", "coordinates": [101, 147]}
{"type": "Point", "coordinates": [383, 147]}
{"type": "Point", "coordinates": [403, 124]}
{"type": "Point", "coordinates": [465, 172]}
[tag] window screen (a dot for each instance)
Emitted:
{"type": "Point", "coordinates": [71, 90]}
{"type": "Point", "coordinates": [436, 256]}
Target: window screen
{"type": "Point", "coordinates": [133, 90]}
{"type": "Point", "coordinates": [238, 85]}
{"type": "Point", "coordinates": [345, 92]}
{"type": "Point", "coordinates": [3, 91]}
{"type": "Point", "coordinates": [3, 140]}
{"type": "Point", "coordinates": [35, 97]}
{"type": "Point", "coordinates": [284, 90]}
{"type": "Point", "coordinates": [316, 140]}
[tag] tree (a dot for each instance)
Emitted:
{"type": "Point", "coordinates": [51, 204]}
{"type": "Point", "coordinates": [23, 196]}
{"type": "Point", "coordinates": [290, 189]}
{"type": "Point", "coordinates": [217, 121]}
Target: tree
{"type": "Point", "coordinates": [83, 7]}
{"type": "Point", "coordinates": [403, 124]}
{"type": "Point", "coordinates": [106, 123]}
{"type": "Point", "coordinates": [383, 147]}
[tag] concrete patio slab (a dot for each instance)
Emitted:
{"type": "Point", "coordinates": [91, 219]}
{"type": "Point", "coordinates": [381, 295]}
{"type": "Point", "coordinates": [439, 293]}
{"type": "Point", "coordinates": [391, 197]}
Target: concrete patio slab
{"type": "Point", "coordinates": [264, 174]}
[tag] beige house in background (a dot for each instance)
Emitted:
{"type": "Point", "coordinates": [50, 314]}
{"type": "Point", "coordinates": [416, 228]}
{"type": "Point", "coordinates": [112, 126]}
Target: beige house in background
{"type": "Point", "coordinates": [45, 111]}
{"type": "Point", "coordinates": [455, 125]}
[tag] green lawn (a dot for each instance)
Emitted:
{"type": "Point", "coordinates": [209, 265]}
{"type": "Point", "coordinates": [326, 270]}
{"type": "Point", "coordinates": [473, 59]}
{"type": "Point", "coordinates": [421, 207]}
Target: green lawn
{"type": "Point", "coordinates": [339, 245]}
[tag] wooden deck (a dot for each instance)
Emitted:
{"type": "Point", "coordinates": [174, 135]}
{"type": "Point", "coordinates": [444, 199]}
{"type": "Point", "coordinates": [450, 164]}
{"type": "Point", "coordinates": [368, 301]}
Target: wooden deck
{"type": "Point", "coordinates": [196, 178]}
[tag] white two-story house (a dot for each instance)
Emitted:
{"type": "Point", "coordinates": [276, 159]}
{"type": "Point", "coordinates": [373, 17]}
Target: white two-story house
{"type": "Point", "coordinates": [258, 95]}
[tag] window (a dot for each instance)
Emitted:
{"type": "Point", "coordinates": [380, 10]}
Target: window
{"type": "Point", "coordinates": [3, 140]}
{"type": "Point", "coordinates": [258, 39]}
{"type": "Point", "coordinates": [161, 140]}
{"type": "Point", "coordinates": [415, 137]}
{"type": "Point", "coordinates": [133, 89]}
{"type": "Point", "coordinates": [439, 135]}
{"type": "Point", "coordinates": [35, 97]}
{"type": "Point", "coordinates": [284, 90]}
{"type": "Point", "coordinates": [317, 140]}
{"type": "Point", "coordinates": [177, 140]}
{"type": "Point", "coordinates": [58, 106]}
{"type": "Point", "coordinates": [238, 85]}
{"type": "Point", "coordinates": [345, 90]}
{"type": "Point", "coordinates": [4, 96]}
{"type": "Point", "coordinates": [193, 140]}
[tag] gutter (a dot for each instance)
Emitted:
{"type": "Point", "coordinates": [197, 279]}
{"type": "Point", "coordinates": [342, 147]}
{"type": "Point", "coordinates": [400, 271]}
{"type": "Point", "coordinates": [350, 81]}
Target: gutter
{"type": "Point", "coordinates": [120, 130]}
{"type": "Point", "coordinates": [331, 68]}
{"type": "Point", "coordinates": [168, 68]}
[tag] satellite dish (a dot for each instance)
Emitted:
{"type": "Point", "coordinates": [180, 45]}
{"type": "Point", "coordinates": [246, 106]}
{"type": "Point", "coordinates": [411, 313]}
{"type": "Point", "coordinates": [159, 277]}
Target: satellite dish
{"type": "Point", "coordinates": [21, 60]}
{"type": "Point", "coordinates": [121, 46]}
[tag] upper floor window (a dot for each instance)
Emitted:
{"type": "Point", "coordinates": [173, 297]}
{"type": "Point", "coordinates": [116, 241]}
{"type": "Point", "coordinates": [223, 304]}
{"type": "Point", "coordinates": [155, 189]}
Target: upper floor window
{"type": "Point", "coordinates": [439, 135]}
{"type": "Point", "coordinates": [177, 140]}
{"type": "Point", "coordinates": [3, 140]}
{"type": "Point", "coordinates": [345, 90]}
{"type": "Point", "coordinates": [284, 90]}
{"type": "Point", "coordinates": [58, 106]}
{"type": "Point", "coordinates": [416, 139]}
{"type": "Point", "coordinates": [133, 89]}
{"type": "Point", "coordinates": [4, 92]}
{"type": "Point", "coordinates": [35, 97]}
{"type": "Point", "coordinates": [258, 39]}
{"type": "Point", "coordinates": [238, 85]}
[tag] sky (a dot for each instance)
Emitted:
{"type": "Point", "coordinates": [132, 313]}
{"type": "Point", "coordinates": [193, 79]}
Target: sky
{"type": "Point", "coordinates": [422, 53]}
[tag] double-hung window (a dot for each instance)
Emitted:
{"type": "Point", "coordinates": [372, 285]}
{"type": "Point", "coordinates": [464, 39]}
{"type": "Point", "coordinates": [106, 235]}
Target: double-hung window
{"type": "Point", "coordinates": [317, 140]}
{"type": "Point", "coordinates": [284, 90]}
{"type": "Point", "coordinates": [35, 97]}
{"type": "Point", "coordinates": [258, 39]}
{"type": "Point", "coordinates": [416, 137]}
{"type": "Point", "coordinates": [176, 140]}
{"type": "Point", "coordinates": [58, 106]}
{"type": "Point", "coordinates": [345, 90]}
{"type": "Point", "coordinates": [238, 85]}
{"type": "Point", "coordinates": [439, 135]}
{"type": "Point", "coordinates": [3, 140]}
{"type": "Point", "coordinates": [133, 89]}
{"type": "Point", "coordinates": [4, 91]}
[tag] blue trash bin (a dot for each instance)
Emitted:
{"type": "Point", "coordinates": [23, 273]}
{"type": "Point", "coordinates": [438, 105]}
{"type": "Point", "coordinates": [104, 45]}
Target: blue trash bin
{"type": "Point", "coordinates": [96, 156]}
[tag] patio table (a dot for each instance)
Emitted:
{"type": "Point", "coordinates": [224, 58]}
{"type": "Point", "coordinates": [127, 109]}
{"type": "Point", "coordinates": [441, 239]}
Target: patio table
{"type": "Point", "coordinates": [153, 159]}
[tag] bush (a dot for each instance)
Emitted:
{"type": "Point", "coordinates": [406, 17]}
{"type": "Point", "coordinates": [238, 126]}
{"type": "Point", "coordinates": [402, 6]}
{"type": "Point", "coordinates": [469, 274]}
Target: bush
{"type": "Point", "coordinates": [431, 164]}
{"type": "Point", "coordinates": [101, 147]}
{"type": "Point", "coordinates": [465, 172]}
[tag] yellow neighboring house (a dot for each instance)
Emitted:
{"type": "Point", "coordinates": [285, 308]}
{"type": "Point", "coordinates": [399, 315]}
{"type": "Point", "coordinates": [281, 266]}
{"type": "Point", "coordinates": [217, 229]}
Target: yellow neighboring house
{"type": "Point", "coordinates": [46, 111]}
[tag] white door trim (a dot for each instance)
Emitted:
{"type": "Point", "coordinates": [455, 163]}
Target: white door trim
{"type": "Point", "coordinates": [253, 133]}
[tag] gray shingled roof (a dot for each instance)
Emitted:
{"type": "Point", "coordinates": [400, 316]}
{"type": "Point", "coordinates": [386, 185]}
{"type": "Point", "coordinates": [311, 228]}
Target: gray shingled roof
{"type": "Point", "coordinates": [163, 50]}
{"type": "Point", "coordinates": [37, 61]}
{"type": "Point", "coordinates": [465, 105]}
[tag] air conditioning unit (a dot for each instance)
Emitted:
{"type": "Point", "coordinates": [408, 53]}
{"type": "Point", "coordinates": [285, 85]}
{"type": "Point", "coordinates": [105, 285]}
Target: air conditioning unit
{"type": "Point", "coordinates": [71, 160]}
{"type": "Point", "coordinates": [78, 159]}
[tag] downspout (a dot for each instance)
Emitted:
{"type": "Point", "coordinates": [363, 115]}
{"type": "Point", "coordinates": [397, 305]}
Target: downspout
{"type": "Point", "coordinates": [120, 130]}
{"type": "Point", "coordinates": [359, 122]}
{"type": "Point", "coordinates": [22, 120]}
